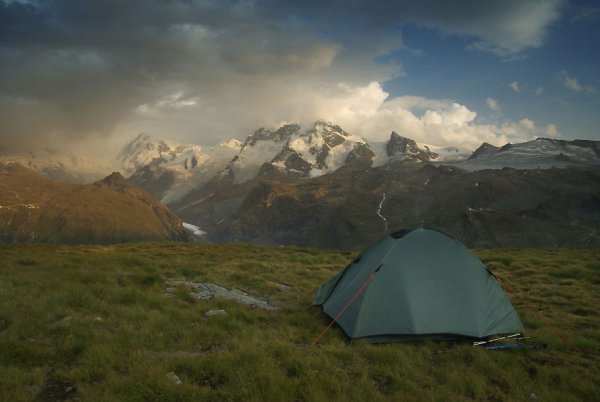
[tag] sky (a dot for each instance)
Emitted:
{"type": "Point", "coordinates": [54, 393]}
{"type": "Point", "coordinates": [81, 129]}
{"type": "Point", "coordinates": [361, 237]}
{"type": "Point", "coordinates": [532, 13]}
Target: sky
{"type": "Point", "coordinates": [90, 75]}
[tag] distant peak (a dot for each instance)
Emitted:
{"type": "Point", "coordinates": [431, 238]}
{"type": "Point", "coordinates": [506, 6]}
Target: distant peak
{"type": "Point", "coordinates": [281, 134]}
{"type": "Point", "coordinates": [485, 148]}
{"type": "Point", "coordinates": [115, 179]}
{"type": "Point", "coordinates": [397, 137]}
{"type": "Point", "coordinates": [142, 137]}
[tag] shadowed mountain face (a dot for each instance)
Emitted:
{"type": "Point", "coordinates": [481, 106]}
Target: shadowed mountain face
{"type": "Point", "coordinates": [353, 207]}
{"type": "Point", "coordinates": [325, 188]}
{"type": "Point", "coordinates": [34, 208]}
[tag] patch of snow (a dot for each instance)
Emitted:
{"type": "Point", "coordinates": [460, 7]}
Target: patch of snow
{"type": "Point", "coordinates": [194, 229]}
{"type": "Point", "coordinates": [448, 153]}
{"type": "Point", "coordinates": [251, 158]}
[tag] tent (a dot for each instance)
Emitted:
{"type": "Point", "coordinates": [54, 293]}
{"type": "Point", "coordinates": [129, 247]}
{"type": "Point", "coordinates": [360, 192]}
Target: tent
{"type": "Point", "coordinates": [417, 283]}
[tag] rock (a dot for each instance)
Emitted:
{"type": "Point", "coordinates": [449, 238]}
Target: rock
{"type": "Point", "coordinates": [533, 396]}
{"type": "Point", "coordinates": [283, 288]}
{"type": "Point", "coordinates": [173, 377]}
{"type": "Point", "coordinates": [213, 313]}
{"type": "Point", "coordinates": [206, 291]}
{"type": "Point", "coordinates": [62, 322]}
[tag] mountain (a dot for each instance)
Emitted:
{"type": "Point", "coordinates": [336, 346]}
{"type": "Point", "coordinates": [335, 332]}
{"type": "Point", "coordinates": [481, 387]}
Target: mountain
{"type": "Point", "coordinates": [322, 186]}
{"type": "Point", "coordinates": [172, 171]}
{"type": "Point", "coordinates": [321, 149]}
{"type": "Point", "coordinates": [491, 208]}
{"type": "Point", "coordinates": [37, 209]}
{"type": "Point", "coordinates": [169, 170]}
{"type": "Point", "coordinates": [399, 148]}
{"type": "Point", "coordinates": [541, 153]}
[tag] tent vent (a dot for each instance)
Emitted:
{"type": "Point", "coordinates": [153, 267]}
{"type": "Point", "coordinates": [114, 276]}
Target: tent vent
{"type": "Point", "coordinates": [401, 233]}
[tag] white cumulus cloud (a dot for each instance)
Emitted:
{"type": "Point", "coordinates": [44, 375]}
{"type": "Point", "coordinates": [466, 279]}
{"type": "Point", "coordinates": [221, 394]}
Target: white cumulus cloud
{"type": "Point", "coordinates": [369, 112]}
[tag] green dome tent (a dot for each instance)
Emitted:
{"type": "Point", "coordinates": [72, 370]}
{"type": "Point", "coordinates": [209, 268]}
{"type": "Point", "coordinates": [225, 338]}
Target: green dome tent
{"type": "Point", "coordinates": [417, 283]}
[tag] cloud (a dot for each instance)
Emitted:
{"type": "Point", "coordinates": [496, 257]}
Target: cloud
{"type": "Point", "coordinates": [551, 131]}
{"type": "Point", "coordinates": [515, 86]}
{"type": "Point", "coordinates": [504, 28]}
{"type": "Point", "coordinates": [493, 104]}
{"type": "Point", "coordinates": [200, 71]}
{"type": "Point", "coordinates": [574, 85]}
{"type": "Point", "coordinates": [369, 112]}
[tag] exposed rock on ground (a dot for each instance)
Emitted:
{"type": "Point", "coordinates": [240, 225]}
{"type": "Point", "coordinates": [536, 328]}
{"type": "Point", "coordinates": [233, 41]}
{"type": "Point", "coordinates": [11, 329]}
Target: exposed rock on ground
{"type": "Point", "coordinates": [206, 291]}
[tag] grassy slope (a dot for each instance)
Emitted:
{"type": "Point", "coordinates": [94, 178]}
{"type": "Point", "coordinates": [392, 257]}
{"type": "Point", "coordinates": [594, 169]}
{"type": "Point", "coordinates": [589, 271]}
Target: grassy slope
{"type": "Point", "coordinates": [93, 323]}
{"type": "Point", "coordinates": [34, 208]}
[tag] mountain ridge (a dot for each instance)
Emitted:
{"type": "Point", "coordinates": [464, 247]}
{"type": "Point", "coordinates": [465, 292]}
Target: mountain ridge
{"type": "Point", "coordinates": [325, 147]}
{"type": "Point", "coordinates": [34, 208]}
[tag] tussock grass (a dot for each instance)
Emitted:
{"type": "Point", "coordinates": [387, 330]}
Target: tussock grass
{"type": "Point", "coordinates": [94, 323]}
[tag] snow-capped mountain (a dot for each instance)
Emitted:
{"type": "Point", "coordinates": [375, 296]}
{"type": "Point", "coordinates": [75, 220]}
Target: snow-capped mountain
{"type": "Point", "coordinates": [541, 153]}
{"type": "Point", "coordinates": [400, 148]}
{"type": "Point", "coordinates": [321, 149]}
{"type": "Point", "coordinates": [144, 150]}
{"type": "Point", "coordinates": [168, 169]}
{"type": "Point", "coordinates": [172, 171]}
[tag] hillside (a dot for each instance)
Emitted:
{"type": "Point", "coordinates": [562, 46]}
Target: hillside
{"type": "Point", "coordinates": [36, 209]}
{"type": "Point", "coordinates": [352, 207]}
{"type": "Point", "coordinates": [96, 323]}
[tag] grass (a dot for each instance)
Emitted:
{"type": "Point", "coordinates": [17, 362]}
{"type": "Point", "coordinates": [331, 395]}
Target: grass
{"type": "Point", "coordinates": [93, 323]}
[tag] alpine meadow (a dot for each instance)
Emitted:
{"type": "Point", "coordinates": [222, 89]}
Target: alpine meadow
{"type": "Point", "coordinates": [95, 323]}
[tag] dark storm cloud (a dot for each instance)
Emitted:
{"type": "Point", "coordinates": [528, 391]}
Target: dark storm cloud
{"type": "Point", "coordinates": [72, 69]}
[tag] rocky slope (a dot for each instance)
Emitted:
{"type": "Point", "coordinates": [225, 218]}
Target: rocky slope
{"type": "Point", "coordinates": [491, 208]}
{"type": "Point", "coordinates": [541, 153]}
{"type": "Point", "coordinates": [172, 171]}
{"type": "Point", "coordinates": [322, 186]}
{"type": "Point", "coordinates": [36, 209]}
